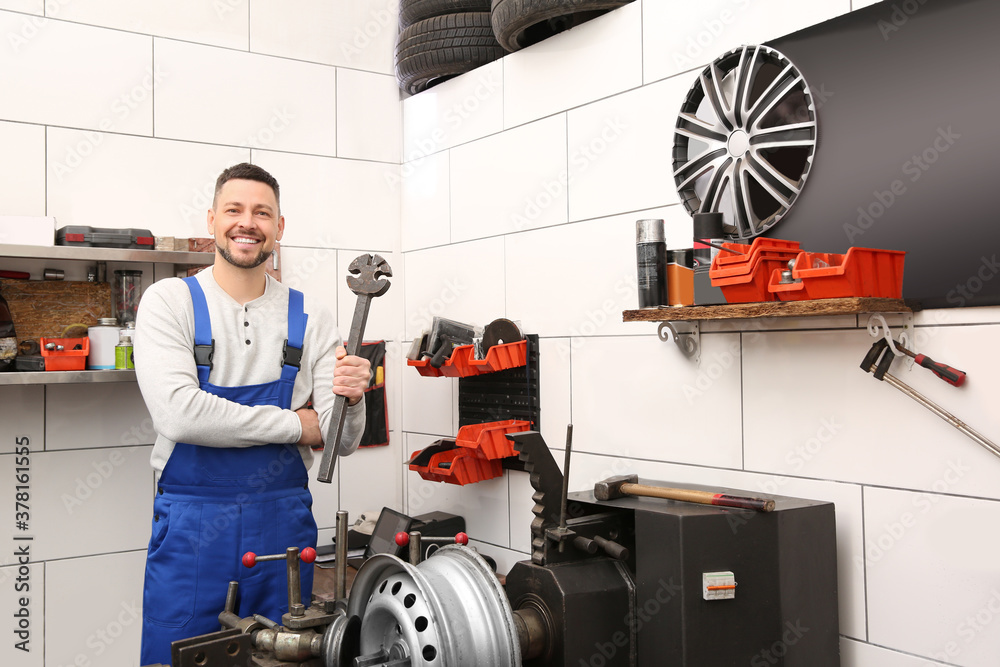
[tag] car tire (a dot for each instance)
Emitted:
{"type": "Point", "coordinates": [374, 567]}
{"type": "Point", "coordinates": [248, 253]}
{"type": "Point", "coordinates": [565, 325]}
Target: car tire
{"type": "Point", "coordinates": [521, 23]}
{"type": "Point", "coordinates": [439, 48]}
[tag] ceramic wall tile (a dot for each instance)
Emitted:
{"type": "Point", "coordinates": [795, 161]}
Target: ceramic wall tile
{"type": "Point", "coordinates": [297, 112]}
{"type": "Point", "coordinates": [223, 23]}
{"type": "Point", "coordinates": [620, 153]}
{"type": "Point", "coordinates": [22, 415]}
{"type": "Point", "coordinates": [61, 73]}
{"type": "Point", "coordinates": [359, 35]}
{"type": "Point", "coordinates": [92, 501]}
{"type": "Point", "coordinates": [679, 38]}
{"type": "Point", "coordinates": [333, 203]}
{"type": "Point", "coordinates": [841, 423]}
{"type": "Point", "coordinates": [109, 588]}
{"type": "Point", "coordinates": [453, 112]}
{"type": "Point", "coordinates": [939, 541]}
{"type": "Point", "coordinates": [171, 182]}
{"type": "Point", "coordinates": [425, 193]}
{"type": "Point", "coordinates": [496, 188]}
{"type": "Point", "coordinates": [668, 409]}
{"type": "Point", "coordinates": [22, 175]}
{"type": "Point", "coordinates": [459, 282]}
{"type": "Point", "coordinates": [596, 59]}
{"type": "Point", "coordinates": [369, 117]}
{"type": "Point", "coordinates": [89, 416]}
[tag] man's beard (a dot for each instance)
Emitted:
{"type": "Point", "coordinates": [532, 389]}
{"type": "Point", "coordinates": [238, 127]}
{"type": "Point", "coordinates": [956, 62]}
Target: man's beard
{"type": "Point", "coordinates": [251, 263]}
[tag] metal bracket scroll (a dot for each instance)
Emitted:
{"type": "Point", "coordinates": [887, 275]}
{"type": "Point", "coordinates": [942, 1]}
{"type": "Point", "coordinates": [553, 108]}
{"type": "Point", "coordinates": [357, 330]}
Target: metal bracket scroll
{"type": "Point", "coordinates": [687, 335]}
{"type": "Point", "coordinates": [878, 327]}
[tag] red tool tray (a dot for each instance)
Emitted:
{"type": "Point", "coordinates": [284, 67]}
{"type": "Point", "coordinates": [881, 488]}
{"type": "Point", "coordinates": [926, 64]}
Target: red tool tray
{"type": "Point", "coordinates": [862, 272]}
{"type": "Point", "coordinates": [461, 363]}
{"type": "Point", "coordinates": [489, 440]}
{"type": "Point", "coordinates": [67, 359]}
{"type": "Point", "coordinates": [463, 467]}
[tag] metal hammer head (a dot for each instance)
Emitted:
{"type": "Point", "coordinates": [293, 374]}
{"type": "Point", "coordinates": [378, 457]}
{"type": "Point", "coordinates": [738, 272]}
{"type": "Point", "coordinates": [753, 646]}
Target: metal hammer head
{"type": "Point", "coordinates": [368, 271]}
{"type": "Point", "coordinates": [611, 488]}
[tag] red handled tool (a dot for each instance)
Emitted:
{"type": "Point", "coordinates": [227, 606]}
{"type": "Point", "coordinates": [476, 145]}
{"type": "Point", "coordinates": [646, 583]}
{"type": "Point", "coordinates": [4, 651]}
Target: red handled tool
{"type": "Point", "coordinates": [952, 376]}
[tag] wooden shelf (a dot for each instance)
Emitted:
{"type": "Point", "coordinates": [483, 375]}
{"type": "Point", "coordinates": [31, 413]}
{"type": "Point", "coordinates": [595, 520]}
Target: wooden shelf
{"type": "Point", "coordinates": [734, 311]}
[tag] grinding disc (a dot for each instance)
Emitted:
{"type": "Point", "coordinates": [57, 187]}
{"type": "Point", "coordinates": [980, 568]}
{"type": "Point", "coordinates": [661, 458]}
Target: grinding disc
{"type": "Point", "coordinates": [499, 332]}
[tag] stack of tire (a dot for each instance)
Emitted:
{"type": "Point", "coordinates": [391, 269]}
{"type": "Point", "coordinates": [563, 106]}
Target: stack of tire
{"type": "Point", "coordinates": [440, 39]}
{"type": "Point", "coordinates": [521, 23]}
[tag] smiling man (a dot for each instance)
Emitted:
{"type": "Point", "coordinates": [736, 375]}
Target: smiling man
{"type": "Point", "coordinates": [226, 361]}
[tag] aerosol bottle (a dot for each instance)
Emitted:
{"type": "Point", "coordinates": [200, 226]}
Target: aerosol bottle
{"type": "Point", "coordinates": [707, 227]}
{"type": "Point", "coordinates": [651, 262]}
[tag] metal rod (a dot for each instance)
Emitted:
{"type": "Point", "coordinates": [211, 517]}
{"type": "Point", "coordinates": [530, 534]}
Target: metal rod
{"type": "Point", "coordinates": [340, 582]}
{"type": "Point", "coordinates": [565, 482]}
{"type": "Point", "coordinates": [294, 581]}
{"type": "Point", "coordinates": [942, 413]}
{"type": "Point", "coordinates": [266, 622]}
{"type": "Point", "coordinates": [230, 607]}
{"type": "Point", "coordinates": [415, 547]}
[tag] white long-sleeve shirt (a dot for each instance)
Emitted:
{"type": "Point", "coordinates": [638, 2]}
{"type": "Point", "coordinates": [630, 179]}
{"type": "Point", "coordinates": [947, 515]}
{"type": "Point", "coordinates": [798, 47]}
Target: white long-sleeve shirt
{"type": "Point", "coordinates": [248, 345]}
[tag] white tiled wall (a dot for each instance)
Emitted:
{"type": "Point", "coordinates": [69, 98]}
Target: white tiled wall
{"type": "Point", "coordinates": [122, 114]}
{"type": "Point", "coordinates": [773, 407]}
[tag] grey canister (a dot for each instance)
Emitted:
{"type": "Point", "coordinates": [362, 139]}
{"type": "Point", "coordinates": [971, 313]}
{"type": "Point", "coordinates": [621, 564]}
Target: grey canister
{"type": "Point", "coordinates": [651, 263]}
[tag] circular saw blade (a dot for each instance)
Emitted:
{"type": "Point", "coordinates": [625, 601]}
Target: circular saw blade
{"type": "Point", "coordinates": [501, 331]}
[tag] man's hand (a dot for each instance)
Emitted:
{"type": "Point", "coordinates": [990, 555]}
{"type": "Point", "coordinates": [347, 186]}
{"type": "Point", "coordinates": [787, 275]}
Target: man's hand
{"type": "Point", "coordinates": [351, 376]}
{"type": "Point", "coordinates": [311, 435]}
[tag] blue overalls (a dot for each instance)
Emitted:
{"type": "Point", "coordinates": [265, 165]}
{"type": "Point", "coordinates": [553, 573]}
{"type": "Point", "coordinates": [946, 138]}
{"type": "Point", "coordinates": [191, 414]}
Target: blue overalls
{"type": "Point", "coordinates": [213, 504]}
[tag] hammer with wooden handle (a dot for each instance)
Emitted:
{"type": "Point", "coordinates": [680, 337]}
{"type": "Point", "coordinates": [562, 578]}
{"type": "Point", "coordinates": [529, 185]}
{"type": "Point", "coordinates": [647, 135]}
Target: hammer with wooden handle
{"type": "Point", "coordinates": [627, 485]}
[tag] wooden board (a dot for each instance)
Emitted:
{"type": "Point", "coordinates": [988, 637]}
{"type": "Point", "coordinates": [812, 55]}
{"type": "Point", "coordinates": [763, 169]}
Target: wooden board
{"type": "Point", "coordinates": [730, 311]}
{"type": "Point", "coordinates": [46, 307]}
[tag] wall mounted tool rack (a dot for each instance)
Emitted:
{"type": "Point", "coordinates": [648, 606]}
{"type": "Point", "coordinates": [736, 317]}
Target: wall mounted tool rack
{"type": "Point", "coordinates": [496, 395]}
{"type": "Point", "coordinates": [507, 394]}
{"type": "Point", "coordinates": [682, 324]}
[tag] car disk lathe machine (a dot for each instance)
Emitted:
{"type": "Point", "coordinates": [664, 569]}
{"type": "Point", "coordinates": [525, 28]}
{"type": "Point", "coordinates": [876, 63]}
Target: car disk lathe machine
{"type": "Point", "coordinates": [616, 578]}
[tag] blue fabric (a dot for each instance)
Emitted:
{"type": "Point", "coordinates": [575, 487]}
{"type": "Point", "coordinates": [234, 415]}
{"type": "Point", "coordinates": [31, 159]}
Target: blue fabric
{"type": "Point", "coordinates": [214, 504]}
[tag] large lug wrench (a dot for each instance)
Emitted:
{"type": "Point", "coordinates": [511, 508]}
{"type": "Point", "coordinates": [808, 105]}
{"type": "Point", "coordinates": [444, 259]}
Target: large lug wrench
{"type": "Point", "coordinates": [877, 362]}
{"type": "Point", "coordinates": [367, 281]}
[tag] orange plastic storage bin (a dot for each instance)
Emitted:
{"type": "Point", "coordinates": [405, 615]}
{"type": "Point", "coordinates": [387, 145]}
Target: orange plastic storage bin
{"type": "Point", "coordinates": [760, 244]}
{"type": "Point", "coordinates": [752, 286]}
{"type": "Point", "coordinates": [489, 439]}
{"type": "Point", "coordinates": [461, 467]}
{"type": "Point", "coordinates": [862, 272]}
{"type": "Point", "coordinates": [502, 357]}
{"type": "Point", "coordinates": [462, 364]}
{"type": "Point", "coordinates": [67, 359]}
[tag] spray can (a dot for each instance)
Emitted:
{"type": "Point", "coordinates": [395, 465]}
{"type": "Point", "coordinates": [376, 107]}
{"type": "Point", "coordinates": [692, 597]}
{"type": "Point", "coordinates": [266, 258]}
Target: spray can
{"type": "Point", "coordinates": [651, 262]}
{"type": "Point", "coordinates": [123, 352]}
{"type": "Point", "coordinates": [707, 227]}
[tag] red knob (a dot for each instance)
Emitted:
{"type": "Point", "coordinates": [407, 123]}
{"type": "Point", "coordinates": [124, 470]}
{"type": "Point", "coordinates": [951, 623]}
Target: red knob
{"type": "Point", "coordinates": [249, 559]}
{"type": "Point", "coordinates": [402, 538]}
{"type": "Point", "coordinates": [461, 538]}
{"type": "Point", "coordinates": [308, 555]}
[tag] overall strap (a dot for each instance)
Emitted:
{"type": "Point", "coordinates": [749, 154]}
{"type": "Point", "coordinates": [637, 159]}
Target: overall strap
{"type": "Point", "coordinates": [291, 355]}
{"type": "Point", "coordinates": [204, 344]}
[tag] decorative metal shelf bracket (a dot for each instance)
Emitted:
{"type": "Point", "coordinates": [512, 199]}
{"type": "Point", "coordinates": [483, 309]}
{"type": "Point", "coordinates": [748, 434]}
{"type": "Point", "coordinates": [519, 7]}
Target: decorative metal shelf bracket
{"type": "Point", "coordinates": [686, 334]}
{"type": "Point", "coordinates": [879, 328]}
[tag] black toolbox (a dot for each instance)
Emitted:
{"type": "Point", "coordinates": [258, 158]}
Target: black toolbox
{"type": "Point", "coordinates": [81, 236]}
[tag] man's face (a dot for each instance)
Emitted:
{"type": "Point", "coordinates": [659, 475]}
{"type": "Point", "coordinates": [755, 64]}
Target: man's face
{"type": "Point", "coordinates": [245, 223]}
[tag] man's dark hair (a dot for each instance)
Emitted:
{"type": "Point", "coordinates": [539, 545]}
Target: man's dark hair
{"type": "Point", "coordinates": [248, 172]}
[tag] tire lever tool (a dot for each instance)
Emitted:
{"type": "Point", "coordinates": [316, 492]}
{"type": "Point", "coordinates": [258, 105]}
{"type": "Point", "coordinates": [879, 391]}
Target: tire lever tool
{"type": "Point", "coordinates": [877, 362]}
{"type": "Point", "coordinates": [952, 376]}
{"type": "Point", "coordinates": [367, 280]}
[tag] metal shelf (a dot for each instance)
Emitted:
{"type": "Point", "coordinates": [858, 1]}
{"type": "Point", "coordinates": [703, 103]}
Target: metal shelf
{"type": "Point", "coordinates": [64, 377]}
{"type": "Point", "coordinates": [106, 254]}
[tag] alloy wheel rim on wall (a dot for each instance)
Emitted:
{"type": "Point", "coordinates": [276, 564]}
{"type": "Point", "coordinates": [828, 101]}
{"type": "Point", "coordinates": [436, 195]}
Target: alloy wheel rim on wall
{"type": "Point", "coordinates": [745, 139]}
